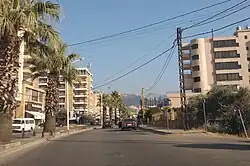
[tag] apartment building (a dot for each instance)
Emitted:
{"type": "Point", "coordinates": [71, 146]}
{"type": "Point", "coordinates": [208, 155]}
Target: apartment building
{"type": "Point", "coordinates": [217, 61]}
{"type": "Point", "coordinates": [29, 96]}
{"type": "Point", "coordinates": [76, 98]}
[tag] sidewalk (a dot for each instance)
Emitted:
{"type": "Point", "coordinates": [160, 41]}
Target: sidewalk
{"type": "Point", "coordinates": [164, 131]}
{"type": "Point", "coordinates": [18, 144]}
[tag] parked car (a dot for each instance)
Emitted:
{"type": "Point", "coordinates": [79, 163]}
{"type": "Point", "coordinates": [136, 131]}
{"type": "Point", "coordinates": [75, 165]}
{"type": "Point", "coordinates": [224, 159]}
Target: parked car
{"type": "Point", "coordinates": [129, 124]}
{"type": "Point", "coordinates": [23, 124]}
{"type": "Point", "coordinates": [107, 124]}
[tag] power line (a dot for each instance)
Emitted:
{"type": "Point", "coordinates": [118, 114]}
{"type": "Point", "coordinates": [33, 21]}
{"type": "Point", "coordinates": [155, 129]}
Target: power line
{"type": "Point", "coordinates": [144, 64]}
{"type": "Point", "coordinates": [164, 67]}
{"type": "Point", "coordinates": [148, 25]}
{"type": "Point", "coordinates": [138, 59]}
{"type": "Point", "coordinates": [150, 31]}
{"type": "Point", "coordinates": [222, 12]}
{"type": "Point", "coordinates": [225, 15]}
{"type": "Point", "coordinates": [218, 29]}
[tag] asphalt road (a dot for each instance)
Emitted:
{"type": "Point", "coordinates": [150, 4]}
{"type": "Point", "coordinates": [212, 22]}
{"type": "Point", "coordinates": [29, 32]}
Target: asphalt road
{"type": "Point", "coordinates": [112, 147]}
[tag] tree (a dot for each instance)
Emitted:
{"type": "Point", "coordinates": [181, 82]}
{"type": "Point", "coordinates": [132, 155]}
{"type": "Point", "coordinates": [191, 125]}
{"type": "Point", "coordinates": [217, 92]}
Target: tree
{"type": "Point", "coordinates": [105, 103]}
{"type": "Point", "coordinates": [150, 112]}
{"type": "Point", "coordinates": [21, 22]}
{"type": "Point", "coordinates": [52, 67]}
{"type": "Point", "coordinates": [116, 102]}
{"type": "Point", "coordinates": [61, 116]}
{"type": "Point", "coordinates": [222, 105]}
{"type": "Point", "coordinates": [195, 110]}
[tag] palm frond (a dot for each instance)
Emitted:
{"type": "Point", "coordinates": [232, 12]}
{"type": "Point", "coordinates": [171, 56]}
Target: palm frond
{"type": "Point", "coordinates": [47, 9]}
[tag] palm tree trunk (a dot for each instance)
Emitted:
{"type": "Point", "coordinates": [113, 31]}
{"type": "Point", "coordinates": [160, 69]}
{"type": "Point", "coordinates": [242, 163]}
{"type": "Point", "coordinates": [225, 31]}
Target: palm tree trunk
{"type": "Point", "coordinates": [5, 128]}
{"type": "Point", "coordinates": [115, 116]}
{"type": "Point", "coordinates": [9, 67]}
{"type": "Point", "coordinates": [110, 114]}
{"type": "Point", "coordinates": [51, 103]}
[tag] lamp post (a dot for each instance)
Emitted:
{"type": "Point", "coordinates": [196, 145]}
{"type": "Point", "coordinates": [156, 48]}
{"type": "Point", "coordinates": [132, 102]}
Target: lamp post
{"type": "Point", "coordinates": [67, 104]}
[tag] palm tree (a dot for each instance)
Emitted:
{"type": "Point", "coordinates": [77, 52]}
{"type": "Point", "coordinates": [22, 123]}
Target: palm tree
{"type": "Point", "coordinates": [21, 21]}
{"type": "Point", "coordinates": [117, 102]}
{"type": "Point", "coordinates": [52, 67]}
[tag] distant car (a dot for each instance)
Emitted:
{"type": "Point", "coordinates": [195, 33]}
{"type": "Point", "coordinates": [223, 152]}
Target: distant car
{"type": "Point", "coordinates": [129, 124]}
{"type": "Point", "coordinates": [107, 124]}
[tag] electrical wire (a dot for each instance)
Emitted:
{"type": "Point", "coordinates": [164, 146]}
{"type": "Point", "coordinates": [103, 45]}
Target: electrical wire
{"type": "Point", "coordinates": [148, 31]}
{"type": "Point", "coordinates": [226, 15]}
{"type": "Point", "coordinates": [164, 67]}
{"type": "Point", "coordinates": [148, 25]}
{"type": "Point", "coordinates": [138, 59]}
{"type": "Point", "coordinates": [218, 29]}
{"type": "Point", "coordinates": [135, 69]}
{"type": "Point", "coordinates": [217, 14]}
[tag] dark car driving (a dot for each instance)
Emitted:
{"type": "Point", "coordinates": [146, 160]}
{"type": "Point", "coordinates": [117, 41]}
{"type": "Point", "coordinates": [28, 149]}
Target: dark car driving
{"type": "Point", "coordinates": [129, 123]}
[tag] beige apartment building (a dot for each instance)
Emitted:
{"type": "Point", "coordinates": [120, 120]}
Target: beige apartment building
{"type": "Point", "coordinates": [76, 98]}
{"type": "Point", "coordinates": [217, 61]}
{"type": "Point", "coordinates": [30, 97]}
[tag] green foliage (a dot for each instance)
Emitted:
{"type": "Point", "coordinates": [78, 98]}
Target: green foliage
{"type": "Point", "coordinates": [150, 112]}
{"type": "Point", "coordinates": [222, 104]}
{"type": "Point", "coordinates": [61, 115]}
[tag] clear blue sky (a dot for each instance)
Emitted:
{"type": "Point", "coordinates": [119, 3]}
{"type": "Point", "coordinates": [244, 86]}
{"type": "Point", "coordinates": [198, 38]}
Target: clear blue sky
{"type": "Point", "coordinates": [87, 19]}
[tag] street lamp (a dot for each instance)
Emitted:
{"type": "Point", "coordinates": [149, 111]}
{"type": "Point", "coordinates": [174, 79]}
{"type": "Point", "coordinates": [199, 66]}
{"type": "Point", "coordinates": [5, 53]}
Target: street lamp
{"type": "Point", "coordinates": [73, 62]}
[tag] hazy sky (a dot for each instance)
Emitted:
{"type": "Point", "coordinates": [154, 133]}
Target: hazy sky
{"type": "Point", "coordinates": [88, 19]}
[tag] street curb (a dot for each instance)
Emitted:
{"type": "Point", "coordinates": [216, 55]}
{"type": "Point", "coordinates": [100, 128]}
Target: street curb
{"type": "Point", "coordinates": [170, 132]}
{"type": "Point", "coordinates": [16, 146]}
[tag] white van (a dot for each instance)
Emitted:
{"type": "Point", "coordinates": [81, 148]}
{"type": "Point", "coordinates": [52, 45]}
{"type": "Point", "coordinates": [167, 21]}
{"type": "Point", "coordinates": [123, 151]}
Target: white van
{"type": "Point", "coordinates": [23, 124]}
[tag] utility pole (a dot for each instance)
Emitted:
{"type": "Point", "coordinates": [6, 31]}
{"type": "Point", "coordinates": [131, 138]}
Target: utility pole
{"type": "Point", "coordinates": [101, 110]}
{"type": "Point", "coordinates": [243, 124]}
{"type": "Point", "coordinates": [181, 79]}
{"type": "Point", "coordinates": [142, 104]}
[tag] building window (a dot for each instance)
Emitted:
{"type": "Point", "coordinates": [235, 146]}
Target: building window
{"type": "Point", "coordinates": [40, 97]}
{"type": "Point", "coordinates": [196, 68]}
{"type": "Point", "coordinates": [246, 37]}
{"type": "Point", "coordinates": [195, 57]}
{"type": "Point", "coordinates": [197, 90]}
{"type": "Point", "coordinates": [247, 48]}
{"type": "Point", "coordinates": [228, 77]}
{"type": "Point", "coordinates": [225, 43]}
{"type": "Point", "coordinates": [197, 79]}
{"type": "Point", "coordinates": [34, 95]}
{"type": "Point", "coordinates": [194, 46]}
{"type": "Point", "coordinates": [226, 54]}
{"type": "Point", "coordinates": [227, 65]}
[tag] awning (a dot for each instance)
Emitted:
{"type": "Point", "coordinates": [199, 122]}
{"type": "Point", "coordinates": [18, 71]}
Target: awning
{"type": "Point", "coordinates": [37, 115]}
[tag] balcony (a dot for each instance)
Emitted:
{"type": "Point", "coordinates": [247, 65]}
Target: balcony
{"type": "Point", "coordinates": [80, 81]}
{"type": "Point", "coordinates": [188, 81]}
{"type": "Point", "coordinates": [80, 102]}
{"type": "Point", "coordinates": [80, 88]}
{"type": "Point", "coordinates": [187, 66]}
{"type": "Point", "coordinates": [80, 95]}
{"type": "Point", "coordinates": [79, 109]}
{"type": "Point", "coordinates": [26, 70]}
{"type": "Point", "coordinates": [186, 56]}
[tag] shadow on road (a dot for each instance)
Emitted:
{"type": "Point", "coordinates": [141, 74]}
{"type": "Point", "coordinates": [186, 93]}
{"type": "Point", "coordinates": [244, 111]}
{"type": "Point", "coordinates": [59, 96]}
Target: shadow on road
{"type": "Point", "coordinates": [114, 141]}
{"type": "Point", "coordinates": [216, 146]}
{"type": "Point", "coordinates": [155, 131]}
